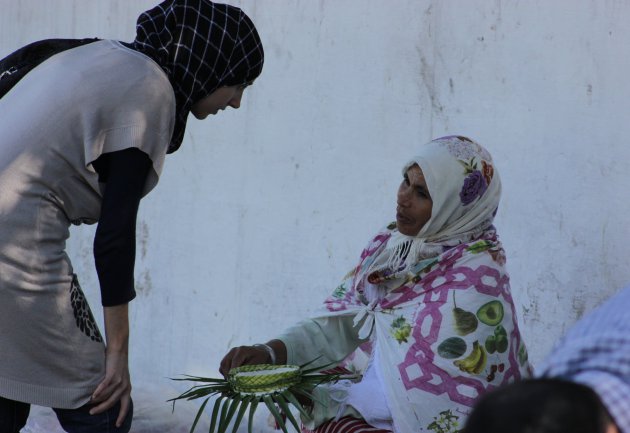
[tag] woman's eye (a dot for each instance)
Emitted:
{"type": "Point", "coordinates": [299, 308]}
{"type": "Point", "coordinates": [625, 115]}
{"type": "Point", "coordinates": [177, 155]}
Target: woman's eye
{"type": "Point", "coordinates": [422, 193]}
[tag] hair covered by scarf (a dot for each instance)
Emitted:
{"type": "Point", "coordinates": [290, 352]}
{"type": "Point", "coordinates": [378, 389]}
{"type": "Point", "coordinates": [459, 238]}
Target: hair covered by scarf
{"type": "Point", "coordinates": [465, 188]}
{"type": "Point", "coordinates": [464, 185]}
{"type": "Point", "coordinates": [201, 46]}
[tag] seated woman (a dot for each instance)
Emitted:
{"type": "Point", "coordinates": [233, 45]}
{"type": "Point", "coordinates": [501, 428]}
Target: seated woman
{"type": "Point", "coordinates": [426, 316]}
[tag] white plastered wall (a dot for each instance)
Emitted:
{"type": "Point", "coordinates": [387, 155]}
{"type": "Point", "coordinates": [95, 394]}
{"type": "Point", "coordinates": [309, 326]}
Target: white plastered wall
{"type": "Point", "coordinates": [263, 209]}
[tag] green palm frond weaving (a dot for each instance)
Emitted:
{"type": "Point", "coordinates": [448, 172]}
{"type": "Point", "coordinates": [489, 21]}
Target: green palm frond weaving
{"type": "Point", "coordinates": [279, 387]}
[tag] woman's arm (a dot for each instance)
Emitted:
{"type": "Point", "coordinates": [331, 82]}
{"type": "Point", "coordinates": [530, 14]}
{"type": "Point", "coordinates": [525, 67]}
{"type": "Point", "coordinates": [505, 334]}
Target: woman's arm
{"type": "Point", "coordinates": [116, 386]}
{"type": "Point", "coordinates": [124, 174]}
{"type": "Point", "coordinates": [327, 339]}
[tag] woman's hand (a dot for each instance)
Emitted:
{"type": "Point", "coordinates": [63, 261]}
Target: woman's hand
{"type": "Point", "coordinates": [249, 355]}
{"type": "Point", "coordinates": [243, 355]}
{"type": "Point", "coordinates": [116, 386]}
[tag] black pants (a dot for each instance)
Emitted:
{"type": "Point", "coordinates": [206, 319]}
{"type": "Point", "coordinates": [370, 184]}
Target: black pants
{"type": "Point", "coordinates": [13, 416]}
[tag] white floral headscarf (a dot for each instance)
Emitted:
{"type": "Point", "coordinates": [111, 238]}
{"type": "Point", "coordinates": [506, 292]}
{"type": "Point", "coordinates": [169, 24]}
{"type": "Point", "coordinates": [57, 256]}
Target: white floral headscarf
{"type": "Point", "coordinates": [465, 188]}
{"type": "Point", "coordinates": [464, 185]}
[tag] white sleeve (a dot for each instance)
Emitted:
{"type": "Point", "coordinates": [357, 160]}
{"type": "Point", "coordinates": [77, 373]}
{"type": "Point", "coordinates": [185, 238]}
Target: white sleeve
{"type": "Point", "coordinates": [328, 339]}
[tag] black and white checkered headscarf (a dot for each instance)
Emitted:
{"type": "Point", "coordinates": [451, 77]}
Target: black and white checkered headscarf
{"type": "Point", "coordinates": [201, 46]}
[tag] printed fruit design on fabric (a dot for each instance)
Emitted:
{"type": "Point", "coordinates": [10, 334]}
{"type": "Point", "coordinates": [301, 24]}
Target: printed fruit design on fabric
{"type": "Point", "coordinates": [400, 329]}
{"type": "Point", "coordinates": [465, 322]}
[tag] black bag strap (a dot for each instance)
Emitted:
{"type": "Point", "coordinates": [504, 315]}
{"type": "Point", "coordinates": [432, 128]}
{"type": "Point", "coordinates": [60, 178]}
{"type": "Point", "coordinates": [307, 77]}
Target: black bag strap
{"type": "Point", "coordinates": [17, 64]}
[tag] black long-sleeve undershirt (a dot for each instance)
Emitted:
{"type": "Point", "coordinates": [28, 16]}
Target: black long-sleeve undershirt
{"type": "Point", "coordinates": [124, 174]}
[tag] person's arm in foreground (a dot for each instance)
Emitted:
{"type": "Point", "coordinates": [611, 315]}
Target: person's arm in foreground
{"type": "Point", "coordinates": [124, 174]}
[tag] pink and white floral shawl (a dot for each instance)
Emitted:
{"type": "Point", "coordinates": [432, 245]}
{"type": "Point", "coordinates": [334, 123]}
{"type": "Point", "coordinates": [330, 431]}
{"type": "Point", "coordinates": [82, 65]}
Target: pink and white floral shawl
{"type": "Point", "coordinates": [436, 365]}
{"type": "Point", "coordinates": [446, 329]}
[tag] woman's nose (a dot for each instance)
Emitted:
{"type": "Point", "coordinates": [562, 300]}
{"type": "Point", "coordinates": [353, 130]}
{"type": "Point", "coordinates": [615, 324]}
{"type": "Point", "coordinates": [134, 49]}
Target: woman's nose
{"type": "Point", "coordinates": [403, 198]}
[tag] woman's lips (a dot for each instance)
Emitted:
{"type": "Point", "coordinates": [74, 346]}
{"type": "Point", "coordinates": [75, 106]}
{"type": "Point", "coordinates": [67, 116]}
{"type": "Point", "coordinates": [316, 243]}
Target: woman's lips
{"type": "Point", "coordinates": [401, 218]}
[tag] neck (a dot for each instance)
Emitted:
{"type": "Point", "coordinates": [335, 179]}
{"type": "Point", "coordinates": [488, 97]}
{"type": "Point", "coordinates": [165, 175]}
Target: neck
{"type": "Point", "coordinates": [612, 428]}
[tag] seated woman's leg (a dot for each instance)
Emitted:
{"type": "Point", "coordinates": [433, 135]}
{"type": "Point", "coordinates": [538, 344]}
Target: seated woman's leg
{"type": "Point", "coordinates": [80, 421]}
{"type": "Point", "coordinates": [13, 415]}
{"type": "Point", "coordinates": [346, 425]}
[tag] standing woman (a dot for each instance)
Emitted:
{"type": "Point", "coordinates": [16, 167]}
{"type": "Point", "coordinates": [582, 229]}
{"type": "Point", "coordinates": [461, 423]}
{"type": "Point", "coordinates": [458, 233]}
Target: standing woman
{"type": "Point", "coordinates": [84, 138]}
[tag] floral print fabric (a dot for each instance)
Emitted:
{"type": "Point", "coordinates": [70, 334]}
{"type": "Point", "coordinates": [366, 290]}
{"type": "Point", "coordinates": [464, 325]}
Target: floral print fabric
{"type": "Point", "coordinates": [443, 328]}
{"type": "Point", "coordinates": [464, 186]}
{"type": "Point", "coordinates": [446, 334]}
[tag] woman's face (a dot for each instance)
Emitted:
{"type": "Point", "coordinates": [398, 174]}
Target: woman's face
{"type": "Point", "coordinates": [218, 100]}
{"type": "Point", "coordinates": [414, 202]}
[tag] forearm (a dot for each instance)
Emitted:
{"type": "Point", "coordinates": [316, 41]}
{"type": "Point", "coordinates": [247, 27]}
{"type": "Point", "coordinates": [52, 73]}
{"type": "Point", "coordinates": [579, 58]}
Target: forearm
{"type": "Point", "coordinates": [117, 328]}
{"type": "Point", "coordinates": [116, 384]}
{"type": "Point", "coordinates": [329, 340]}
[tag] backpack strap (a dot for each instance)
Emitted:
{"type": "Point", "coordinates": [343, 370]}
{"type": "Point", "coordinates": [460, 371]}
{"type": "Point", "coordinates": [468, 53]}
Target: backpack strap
{"type": "Point", "coordinates": [17, 64]}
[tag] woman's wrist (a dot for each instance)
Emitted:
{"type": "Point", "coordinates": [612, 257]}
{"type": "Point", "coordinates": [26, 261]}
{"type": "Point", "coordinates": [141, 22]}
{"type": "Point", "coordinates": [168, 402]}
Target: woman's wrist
{"type": "Point", "coordinates": [279, 349]}
{"type": "Point", "coordinates": [272, 353]}
{"type": "Point", "coordinates": [117, 328]}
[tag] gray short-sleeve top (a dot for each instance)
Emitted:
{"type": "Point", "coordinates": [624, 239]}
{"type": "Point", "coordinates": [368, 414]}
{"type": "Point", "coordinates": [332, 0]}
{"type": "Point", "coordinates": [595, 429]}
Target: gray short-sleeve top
{"type": "Point", "coordinates": [81, 103]}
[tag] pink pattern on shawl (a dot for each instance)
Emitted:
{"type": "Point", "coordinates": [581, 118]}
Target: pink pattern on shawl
{"type": "Point", "coordinates": [418, 369]}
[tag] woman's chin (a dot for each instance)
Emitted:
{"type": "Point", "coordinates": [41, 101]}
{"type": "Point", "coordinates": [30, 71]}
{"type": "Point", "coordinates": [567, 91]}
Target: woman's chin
{"type": "Point", "coordinates": [198, 115]}
{"type": "Point", "coordinates": [404, 230]}
{"type": "Point", "coordinates": [407, 229]}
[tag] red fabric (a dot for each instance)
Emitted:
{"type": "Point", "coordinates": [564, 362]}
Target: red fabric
{"type": "Point", "coordinates": [346, 425]}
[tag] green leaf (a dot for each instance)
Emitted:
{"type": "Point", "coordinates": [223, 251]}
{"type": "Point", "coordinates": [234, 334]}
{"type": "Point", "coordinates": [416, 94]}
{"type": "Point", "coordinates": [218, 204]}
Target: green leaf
{"type": "Point", "coordinates": [224, 409]}
{"type": "Point", "coordinates": [310, 362]}
{"type": "Point", "coordinates": [215, 412]}
{"type": "Point", "coordinates": [311, 381]}
{"type": "Point", "coordinates": [294, 401]}
{"type": "Point", "coordinates": [274, 411]}
{"type": "Point", "coordinates": [198, 379]}
{"type": "Point", "coordinates": [287, 411]}
{"type": "Point", "coordinates": [199, 412]}
{"type": "Point", "coordinates": [252, 409]}
{"type": "Point", "coordinates": [241, 412]}
{"type": "Point", "coordinates": [307, 395]}
{"type": "Point", "coordinates": [236, 400]}
{"type": "Point", "coordinates": [201, 391]}
{"type": "Point", "coordinates": [316, 369]}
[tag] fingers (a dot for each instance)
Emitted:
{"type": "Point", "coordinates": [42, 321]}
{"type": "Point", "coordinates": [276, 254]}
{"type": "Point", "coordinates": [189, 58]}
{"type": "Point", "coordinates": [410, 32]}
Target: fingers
{"type": "Point", "coordinates": [104, 390]}
{"type": "Point", "coordinates": [110, 396]}
{"type": "Point", "coordinates": [243, 355]}
{"type": "Point", "coordinates": [109, 386]}
{"type": "Point", "coordinates": [105, 405]}
{"type": "Point", "coordinates": [99, 392]}
{"type": "Point", "coordinates": [115, 387]}
{"type": "Point", "coordinates": [124, 409]}
{"type": "Point", "coordinates": [228, 362]}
